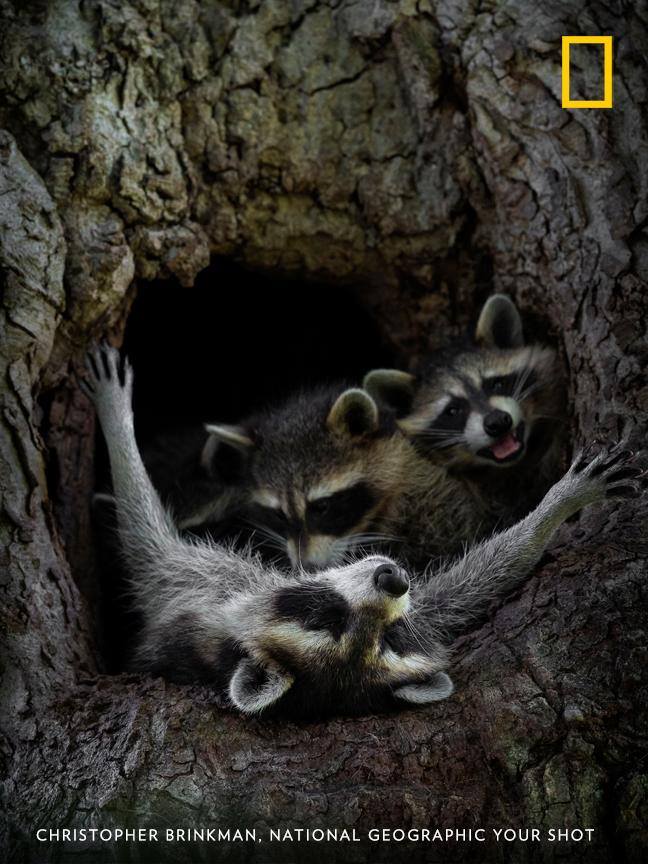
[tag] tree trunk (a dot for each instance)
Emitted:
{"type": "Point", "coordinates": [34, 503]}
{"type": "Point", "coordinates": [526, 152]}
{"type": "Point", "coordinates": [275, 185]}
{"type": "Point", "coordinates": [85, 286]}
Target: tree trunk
{"type": "Point", "coordinates": [418, 153]}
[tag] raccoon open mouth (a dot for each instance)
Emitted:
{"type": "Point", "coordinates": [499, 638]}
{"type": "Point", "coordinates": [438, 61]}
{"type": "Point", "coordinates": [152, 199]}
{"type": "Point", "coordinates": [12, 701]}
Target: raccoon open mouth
{"type": "Point", "coordinates": [508, 448]}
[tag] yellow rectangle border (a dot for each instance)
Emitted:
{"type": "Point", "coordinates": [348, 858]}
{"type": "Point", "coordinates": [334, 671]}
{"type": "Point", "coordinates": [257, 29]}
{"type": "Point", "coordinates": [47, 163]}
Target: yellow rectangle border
{"type": "Point", "coordinates": [606, 101]}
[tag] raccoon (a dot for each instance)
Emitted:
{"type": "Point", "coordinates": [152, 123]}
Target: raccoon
{"type": "Point", "coordinates": [348, 640]}
{"type": "Point", "coordinates": [489, 412]}
{"type": "Point", "coordinates": [325, 473]}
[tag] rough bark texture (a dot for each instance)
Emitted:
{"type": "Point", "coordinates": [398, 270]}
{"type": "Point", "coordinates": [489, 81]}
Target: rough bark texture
{"type": "Point", "coordinates": [417, 151]}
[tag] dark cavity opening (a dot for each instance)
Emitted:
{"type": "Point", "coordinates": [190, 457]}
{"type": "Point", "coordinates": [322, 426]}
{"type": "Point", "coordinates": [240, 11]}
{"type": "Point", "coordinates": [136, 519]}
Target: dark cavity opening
{"type": "Point", "coordinates": [238, 340]}
{"type": "Point", "coordinates": [234, 342]}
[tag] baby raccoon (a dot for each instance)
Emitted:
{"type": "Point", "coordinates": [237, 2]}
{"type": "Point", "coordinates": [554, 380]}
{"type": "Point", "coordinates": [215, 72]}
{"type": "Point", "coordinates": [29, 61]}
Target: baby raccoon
{"type": "Point", "coordinates": [489, 412]}
{"type": "Point", "coordinates": [348, 640]}
{"type": "Point", "coordinates": [324, 473]}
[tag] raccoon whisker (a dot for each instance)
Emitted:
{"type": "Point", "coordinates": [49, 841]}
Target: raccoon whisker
{"type": "Point", "coordinates": [440, 441]}
{"type": "Point", "coordinates": [259, 532]}
{"type": "Point", "coordinates": [300, 566]}
{"type": "Point", "coordinates": [520, 381]}
{"type": "Point", "coordinates": [360, 539]}
{"type": "Point", "coordinates": [413, 630]}
{"type": "Point", "coordinates": [352, 556]}
{"type": "Point", "coordinates": [523, 375]}
{"type": "Point", "coordinates": [275, 539]}
{"type": "Point", "coordinates": [445, 445]}
{"type": "Point", "coordinates": [269, 542]}
{"type": "Point", "coordinates": [440, 433]}
{"type": "Point", "coordinates": [530, 390]}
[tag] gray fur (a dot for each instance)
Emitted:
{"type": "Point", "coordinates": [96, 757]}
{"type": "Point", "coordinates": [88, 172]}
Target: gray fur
{"type": "Point", "coordinates": [461, 593]}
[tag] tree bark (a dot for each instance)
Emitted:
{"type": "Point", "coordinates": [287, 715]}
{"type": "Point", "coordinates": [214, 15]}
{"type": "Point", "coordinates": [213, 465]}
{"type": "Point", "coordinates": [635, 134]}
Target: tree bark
{"type": "Point", "coordinates": [419, 153]}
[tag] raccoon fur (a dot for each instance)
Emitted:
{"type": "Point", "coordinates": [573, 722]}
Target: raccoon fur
{"type": "Point", "coordinates": [490, 412]}
{"type": "Point", "coordinates": [327, 473]}
{"type": "Point", "coordinates": [348, 640]}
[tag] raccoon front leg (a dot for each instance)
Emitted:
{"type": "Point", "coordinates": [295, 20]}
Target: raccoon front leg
{"type": "Point", "coordinates": [463, 592]}
{"type": "Point", "coordinates": [147, 534]}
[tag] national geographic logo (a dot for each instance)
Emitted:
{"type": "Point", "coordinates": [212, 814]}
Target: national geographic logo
{"type": "Point", "coordinates": [606, 101]}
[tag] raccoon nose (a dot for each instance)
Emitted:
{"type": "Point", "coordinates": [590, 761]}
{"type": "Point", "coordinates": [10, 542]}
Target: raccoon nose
{"type": "Point", "coordinates": [497, 422]}
{"type": "Point", "coordinates": [391, 580]}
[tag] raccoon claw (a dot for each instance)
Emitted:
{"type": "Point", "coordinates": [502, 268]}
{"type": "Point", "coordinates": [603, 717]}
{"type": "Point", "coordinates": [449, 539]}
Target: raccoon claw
{"type": "Point", "coordinates": [625, 490]}
{"type": "Point", "coordinates": [105, 366]}
{"type": "Point", "coordinates": [601, 464]}
{"type": "Point", "coordinates": [86, 388]}
{"type": "Point", "coordinates": [612, 470]}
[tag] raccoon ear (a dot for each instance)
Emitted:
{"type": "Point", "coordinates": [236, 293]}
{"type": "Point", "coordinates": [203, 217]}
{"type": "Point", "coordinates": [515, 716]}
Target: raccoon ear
{"type": "Point", "coordinates": [354, 413]}
{"type": "Point", "coordinates": [392, 388]}
{"type": "Point", "coordinates": [253, 688]}
{"type": "Point", "coordinates": [438, 686]}
{"type": "Point", "coordinates": [225, 450]}
{"type": "Point", "coordinates": [499, 325]}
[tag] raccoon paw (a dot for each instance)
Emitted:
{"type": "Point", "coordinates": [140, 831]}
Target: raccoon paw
{"type": "Point", "coordinates": [109, 378]}
{"type": "Point", "coordinates": [613, 471]}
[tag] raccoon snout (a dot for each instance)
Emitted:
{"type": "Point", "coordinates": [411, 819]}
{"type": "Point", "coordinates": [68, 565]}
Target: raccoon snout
{"type": "Point", "coordinates": [497, 423]}
{"type": "Point", "coordinates": [391, 580]}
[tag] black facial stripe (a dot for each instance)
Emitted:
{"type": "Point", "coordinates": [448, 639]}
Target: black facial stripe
{"type": "Point", "coordinates": [500, 385]}
{"type": "Point", "coordinates": [338, 513]}
{"type": "Point", "coordinates": [272, 517]}
{"type": "Point", "coordinates": [454, 416]}
{"type": "Point", "coordinates": [315, 606]}
{"type": "Point", "coordinates": [505, 385]}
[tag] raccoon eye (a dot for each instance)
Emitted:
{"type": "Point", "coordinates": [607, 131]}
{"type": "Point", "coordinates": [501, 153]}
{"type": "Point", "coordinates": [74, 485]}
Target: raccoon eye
{"type": "Point", "coordinates": [315, 606]}
{"type": "Point", "coordinates": [272, 518]}
{"type": "Point", "coordinates": [320, 506]}
{"type": "Point", "coordinates": [454, 408]}
{"type": "Point", "coordinates": [333, 618]}
{"type": "Point", "coordinates": [341, 511]}
{"type": "Point", "coordinates": [501, 384]}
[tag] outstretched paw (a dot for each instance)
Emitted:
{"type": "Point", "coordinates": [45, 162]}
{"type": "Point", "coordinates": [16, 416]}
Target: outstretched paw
{"type": "Point", "coordinates": [614, 470]}
{"type": "Point", "coordinates": [109, 378]}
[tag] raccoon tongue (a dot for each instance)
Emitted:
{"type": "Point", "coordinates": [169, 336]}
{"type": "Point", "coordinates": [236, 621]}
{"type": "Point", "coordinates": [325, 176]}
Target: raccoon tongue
{"type": "Point", "coordinates": [505, 446]}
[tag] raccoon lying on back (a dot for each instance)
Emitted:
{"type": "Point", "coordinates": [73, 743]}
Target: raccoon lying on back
{"type": "Point", "coordinates": [350, 640]}
{"type": "Point", "coordinates": [489, 412]}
